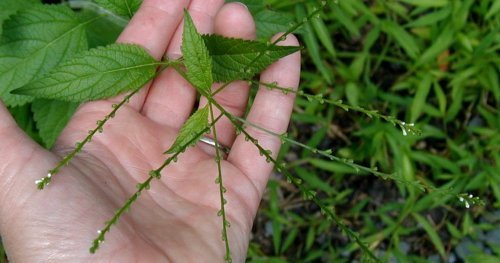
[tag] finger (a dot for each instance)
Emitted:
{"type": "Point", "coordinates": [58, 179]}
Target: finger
{"type": "Point", "coordinates": [271, 110]}
{"type": "Point", "coordinates": [233, 20]}
{"type": "Point", "coordinates": [171, 98]}
{"type": "Point", "coordinates": [152, 27]}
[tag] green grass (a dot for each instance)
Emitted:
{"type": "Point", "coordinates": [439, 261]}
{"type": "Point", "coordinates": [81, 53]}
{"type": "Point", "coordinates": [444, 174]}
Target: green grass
{"type": "Point", "coordinates": [434, 63]}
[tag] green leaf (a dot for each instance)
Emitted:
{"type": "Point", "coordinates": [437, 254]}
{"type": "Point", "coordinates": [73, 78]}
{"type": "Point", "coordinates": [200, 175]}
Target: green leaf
{"type": "Point", "coordinates": [104, 31]}
{"type": "Point", "coordinates": [126, 8]}
{"type": "Point", "coordinates": [322, 31]}
{"type": "Point", "coordinates": [431, 232]}
{"type": "Point", "coordinates": [231, 56]}
{"type": "Point", "coordinates": [96, 74]}
{"type": "Point", "coordinates": [33, 42]}
{"type": "Point", "coordinates": [51, 117]}
{"type": "Point", "coordinates": [443, 41]}
{"type": "Point", "coordinates": [191, 131]}
{"type": "Point", "coordinates": [404, 39]}
{"type": "Point", "coordinates": [419, 101]}
{"type": "Point", "coordinates": [9, 7]}
{"type": "Point", "coordinates": [269, 23]}
{"type": "Point", "coordinates": [494, 10]}
{"type": "Point", "coordinates": [427, 3]}
{"type": "Point", "coordinates": [196, 57]}
{"type": "Point", "coordinates": [312, 45]}
{"type": "Point", "coordinates": [431, 18]}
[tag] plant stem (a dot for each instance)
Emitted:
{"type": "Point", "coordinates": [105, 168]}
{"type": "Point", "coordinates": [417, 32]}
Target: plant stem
{"type": "Point", "coordinates": [43, 182]}
{"type": "Point", "coordinates": [153, 174]}
{"type": "Point", "coordinates": [222, 190]}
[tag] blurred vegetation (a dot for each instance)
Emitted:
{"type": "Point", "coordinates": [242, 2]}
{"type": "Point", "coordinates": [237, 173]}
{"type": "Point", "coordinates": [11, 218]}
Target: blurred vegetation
{"type": "Point", "coordinates": [434, 63]}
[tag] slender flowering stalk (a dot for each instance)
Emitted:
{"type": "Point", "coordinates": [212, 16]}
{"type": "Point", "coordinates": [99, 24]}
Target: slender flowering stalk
{"type": "Point", "coordinates": [153, 174]}
{"type": "Point", "coordinates": [328, 154]}
{"type": "Point", "coordinates": [406, 128]}
{"type": "Point", "coordinates": [41, 183]}
{"type": "Point", "coordinates": [222, 190]}
{"type": "Point", "coordinates": [309, 195]}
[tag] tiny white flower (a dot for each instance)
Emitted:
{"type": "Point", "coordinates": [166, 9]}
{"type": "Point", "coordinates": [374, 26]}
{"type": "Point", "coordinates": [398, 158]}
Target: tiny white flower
{"type": "Point", "coordinates": [461, 199]}
{"type": "Point", "coordinates": [470, 196]}
{"type": "Point", "coordinates": [404, 132]}
{"type": "Point", "coordinates": [98, 232]}
{"type": "Point", "coordinates": [49, 175]}
{"type": "Point", "coordinates": [467, 204]}
{"type": "Point", "coordinates": [37, 182]}
{"type": "Point", "coordinates": [411, 124]}
{"type": "Point", "coordinates": [404, 123]}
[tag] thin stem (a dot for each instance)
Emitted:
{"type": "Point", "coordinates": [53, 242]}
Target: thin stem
{"type": "Point", "coordinates": [309, 195]}
{"type": "Point", "coordinates": [295, 181]}
{"type": "Point", "coordinates": [221, 88]}
{"type": "Point", "coordinates": [43, 182]}
{"type": "Point", "coordinates": [407, 128]}
{"type": "Point", "coordinates": [153, 174]}
{"type": "Point", "coordinates": [222, 189]}
{"type": "Point", "coordinates": [328, 154]}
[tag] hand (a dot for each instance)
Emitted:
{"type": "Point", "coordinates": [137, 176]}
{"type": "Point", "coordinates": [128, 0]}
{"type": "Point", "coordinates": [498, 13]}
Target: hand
{"type": "Point", "coordinates": [176, 220]}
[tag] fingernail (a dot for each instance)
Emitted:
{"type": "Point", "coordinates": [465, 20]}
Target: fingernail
{"type": "Point", "coordinates": [246, 7]}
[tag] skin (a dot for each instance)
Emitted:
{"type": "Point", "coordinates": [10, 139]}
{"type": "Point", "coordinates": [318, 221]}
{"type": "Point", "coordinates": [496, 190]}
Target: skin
{"type": "Point", "coordinates": [175, 221]}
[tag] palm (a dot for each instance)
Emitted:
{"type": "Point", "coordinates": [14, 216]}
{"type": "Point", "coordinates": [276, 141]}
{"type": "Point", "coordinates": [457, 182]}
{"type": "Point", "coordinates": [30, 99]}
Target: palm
{"type": "Point", "coordinates": [108, 171]}
{"type": "Point", "coordinates": [176, 220]}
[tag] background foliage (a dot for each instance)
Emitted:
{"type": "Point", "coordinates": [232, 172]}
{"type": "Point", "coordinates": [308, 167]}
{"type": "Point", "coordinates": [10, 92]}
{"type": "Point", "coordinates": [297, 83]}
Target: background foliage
{"type": "Point", "coordinates": [433, 63]}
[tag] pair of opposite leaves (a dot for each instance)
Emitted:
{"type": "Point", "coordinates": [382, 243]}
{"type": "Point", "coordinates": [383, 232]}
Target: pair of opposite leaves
{"type": "Point", "coordinates": [107, 71]}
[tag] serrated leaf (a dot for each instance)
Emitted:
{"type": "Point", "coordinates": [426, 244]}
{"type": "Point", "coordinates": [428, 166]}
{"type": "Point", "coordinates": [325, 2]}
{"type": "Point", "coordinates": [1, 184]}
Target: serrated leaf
{"type": "Point", "coordinates": [33, 42]}
{"type": "Point", "coordinates": [51, 116]}
{"type": "Point", "coordinates": [191, 131]}
{"type": "Point", "coordinates": [96, 74]}
{"type": "Point", "coordinates": [126, 8]}
{"type": "Point", "coordinates": [9, 7]}
{"type": "Point", "coordinates": [231, 56]}
{"type": "Point", "coordinates": [196, 58]}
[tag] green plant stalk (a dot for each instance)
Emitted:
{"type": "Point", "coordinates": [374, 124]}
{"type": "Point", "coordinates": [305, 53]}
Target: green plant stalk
{"type": "Point", "coordinates": [310, 195]}
{"type": "Point", "coordinates": [407, 128]}
{"type": "Point", "coordinates": [153, 174]}
{"type": "Point", "coordinates": [43, 182]}
{"type": "Point", "coordinates": [297, 182]}
{"type": "Point", "coordinates": [328, 154]}
{"type": "Point", "coordinates": [465, 198]}
{"type": "Point", "coordinates": [222, 190]}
